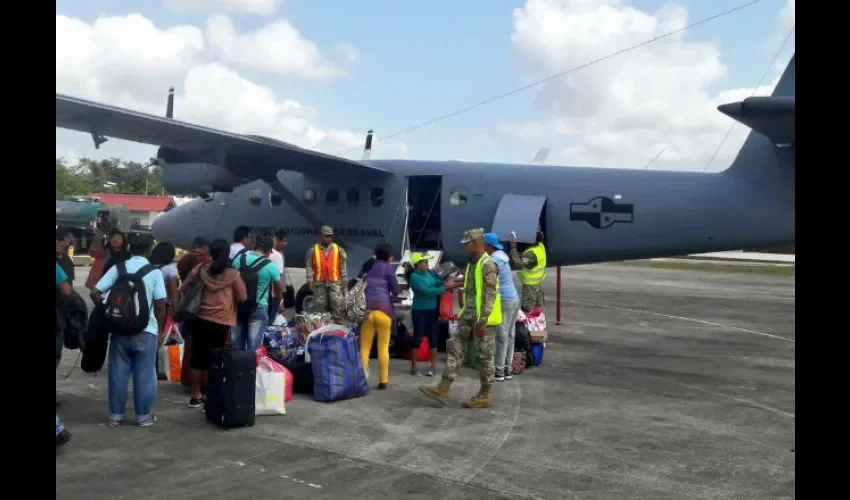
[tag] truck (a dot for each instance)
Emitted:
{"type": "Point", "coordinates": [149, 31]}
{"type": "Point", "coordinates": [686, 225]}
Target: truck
{"type": "Point", "coordinates": [87, 218]}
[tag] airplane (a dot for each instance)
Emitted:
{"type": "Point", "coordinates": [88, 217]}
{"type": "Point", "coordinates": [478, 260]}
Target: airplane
{"type": "Point", "coordinates": [588, 215]}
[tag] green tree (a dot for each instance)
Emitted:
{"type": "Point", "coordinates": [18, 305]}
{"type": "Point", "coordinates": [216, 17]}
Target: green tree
{"type": "Point", "coordinates": [69, 182]}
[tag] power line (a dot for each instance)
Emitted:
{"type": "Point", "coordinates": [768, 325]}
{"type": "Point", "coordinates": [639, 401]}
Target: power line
{"type": "Point", "coordinates": [763, 76]}
{"type": "Point", "coordinates": [558, 75]}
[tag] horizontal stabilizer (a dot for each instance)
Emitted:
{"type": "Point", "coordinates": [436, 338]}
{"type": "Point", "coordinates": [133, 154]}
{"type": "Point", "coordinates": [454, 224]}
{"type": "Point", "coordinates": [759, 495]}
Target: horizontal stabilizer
{"type": "Point", "coordinates": [772, 117]}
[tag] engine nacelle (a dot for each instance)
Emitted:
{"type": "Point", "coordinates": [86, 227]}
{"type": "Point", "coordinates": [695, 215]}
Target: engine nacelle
{"type": "Point", "coordinates": [197, 178]}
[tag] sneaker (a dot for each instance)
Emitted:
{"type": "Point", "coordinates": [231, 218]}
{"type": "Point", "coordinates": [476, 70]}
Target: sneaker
{"type": "Point", "coordinates": [149, 422]}
{"type": "Point", "coordinates": [508, 377]}
{"type": "Point", "coordinates": [415, 373]}
{"type": "Point", "coordinates": [62, 438]}
{"type": "Point", "coordinates": [500, 379]}
{"type": "Point", "coordinates": [114, 423]}
{"type": "Point", "coordinates": [431, 373]}
{"type": "Point", "coordinates": [381, 387]}
{"type": "Point", "coordinates": [196, 403]}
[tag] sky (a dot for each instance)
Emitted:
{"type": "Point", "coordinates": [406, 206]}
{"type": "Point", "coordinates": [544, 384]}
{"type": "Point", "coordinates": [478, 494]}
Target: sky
{"type": "Point", "coordinates": [320, 73]}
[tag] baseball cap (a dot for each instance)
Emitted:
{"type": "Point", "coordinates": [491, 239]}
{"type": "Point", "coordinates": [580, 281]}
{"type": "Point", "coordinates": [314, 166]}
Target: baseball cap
{"type": "Point", "coordinates": [327, 231]}
{"type": "Point", "coordinates": [472, 235]}
{"type": "Point", "coordinates": [199, 242]}
{"type": "Point", "coordinates": [492, 239]}
{"type": "Point", "coordinates": [417, 257]}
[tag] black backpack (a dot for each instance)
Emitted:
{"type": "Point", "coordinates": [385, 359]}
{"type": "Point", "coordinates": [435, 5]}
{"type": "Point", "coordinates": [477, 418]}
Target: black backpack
{"type": "Point", "coordinates": [127, 309]}
{"type": "Point", "coordinates": [251, 278]}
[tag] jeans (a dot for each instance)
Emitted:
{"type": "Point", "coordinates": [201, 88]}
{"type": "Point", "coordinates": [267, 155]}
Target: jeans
{"type": "Point", "coordinates": [59, 426]}
{"type": "Point", "coordinates": [505, 339]}
{"type": "Point", "coordinates": [274, 308]}
{"type": "Point", "coordinates": [248, 335]}
{"type": "Point", "coordinates": [132, 356]}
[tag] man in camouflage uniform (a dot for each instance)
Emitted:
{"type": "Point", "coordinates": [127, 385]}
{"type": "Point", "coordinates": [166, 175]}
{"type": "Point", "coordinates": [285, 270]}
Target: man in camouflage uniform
{"type": "Point", "coordinates": [480, 321]}
{"type": "Point", "coordinates": [532, 272]}
{"type": "Point", "coordinates": [326, 274]}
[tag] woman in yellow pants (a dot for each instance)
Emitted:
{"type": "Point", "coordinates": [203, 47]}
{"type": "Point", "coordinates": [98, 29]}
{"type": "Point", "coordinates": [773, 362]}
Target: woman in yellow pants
{"type": "Point", "coordinates": [381, 286]}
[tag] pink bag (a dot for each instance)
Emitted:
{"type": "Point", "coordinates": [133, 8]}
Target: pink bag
{"type": "Point", "coordinates": [266, 363]}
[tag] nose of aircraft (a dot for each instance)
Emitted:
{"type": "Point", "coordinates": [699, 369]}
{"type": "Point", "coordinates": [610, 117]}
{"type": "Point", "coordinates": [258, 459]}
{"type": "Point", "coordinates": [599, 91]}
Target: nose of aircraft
{"type": "Point", "coordinates": [180, 225]}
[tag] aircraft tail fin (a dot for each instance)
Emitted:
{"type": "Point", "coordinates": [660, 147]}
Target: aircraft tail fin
{"type": "Point", "coordinates": [767, 157]}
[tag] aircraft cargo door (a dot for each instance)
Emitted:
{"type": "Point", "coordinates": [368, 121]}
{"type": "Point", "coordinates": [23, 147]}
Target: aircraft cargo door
{"type": "Point", "coordinates": [519, 213]}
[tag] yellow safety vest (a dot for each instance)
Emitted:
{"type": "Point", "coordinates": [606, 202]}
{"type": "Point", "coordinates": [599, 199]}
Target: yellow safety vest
{"type": "Point", "coordinates": [537, 274]}
{"type": "Point", "coordinates": [495, 317]}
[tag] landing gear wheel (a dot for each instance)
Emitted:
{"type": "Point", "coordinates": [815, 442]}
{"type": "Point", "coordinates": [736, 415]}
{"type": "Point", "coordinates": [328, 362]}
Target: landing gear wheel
{"type": "Point", "coordinates": [304, 300]}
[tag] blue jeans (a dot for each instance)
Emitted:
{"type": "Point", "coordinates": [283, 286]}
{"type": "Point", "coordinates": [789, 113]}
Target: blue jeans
{"type": "Point", "coordinates": [59, 426]}
{"type": "Point", "coordinates": [248, 335]}
{"type": "Point", "coordinates": [132, 356]}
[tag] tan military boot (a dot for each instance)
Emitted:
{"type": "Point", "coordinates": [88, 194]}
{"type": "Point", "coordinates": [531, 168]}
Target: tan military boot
{"type": "Point", "coordinates": [440, 392]}
{"type": "Point", "coordinates": [480, 400]}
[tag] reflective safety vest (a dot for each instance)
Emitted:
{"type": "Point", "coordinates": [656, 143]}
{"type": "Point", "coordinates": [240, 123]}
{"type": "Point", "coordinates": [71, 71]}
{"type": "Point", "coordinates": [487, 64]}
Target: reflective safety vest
{"type": "Point", "coordinates": [495, 317]}
{"type": "Point", "coordinates": [325, 267]}
{"type": "Point", "coordinates": [537, 274]}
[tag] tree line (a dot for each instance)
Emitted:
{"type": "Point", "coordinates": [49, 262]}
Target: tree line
{"type": "Point", "coordinates": [88, 176]}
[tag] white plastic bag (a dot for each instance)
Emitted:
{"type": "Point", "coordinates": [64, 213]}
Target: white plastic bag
{"type": "Point", "coordinates": [536, 321]}
{"type": "Point", "coordinates": [453, 328]}
{"type": "Point", "coordinates": [270, 388]}
{"type": "Point", "coordinates": [279, 320]}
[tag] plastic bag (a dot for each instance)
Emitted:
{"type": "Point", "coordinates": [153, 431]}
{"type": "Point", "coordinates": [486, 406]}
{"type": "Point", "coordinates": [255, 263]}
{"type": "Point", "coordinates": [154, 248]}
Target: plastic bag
{"type": "Point", "coordinates": [270, 388]}
{"type": "Point", "coordinates": [279, 320]}
{"type": "Point", "coordinates": [453, 327]}
{"type": "Point", "coordinates": [170, 357]}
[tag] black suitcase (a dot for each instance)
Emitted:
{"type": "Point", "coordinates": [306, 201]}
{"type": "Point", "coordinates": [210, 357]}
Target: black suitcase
{"type": "Point", "coordinates": [232, 381]}
{"type": "Point", "coordinates": [302, 376]}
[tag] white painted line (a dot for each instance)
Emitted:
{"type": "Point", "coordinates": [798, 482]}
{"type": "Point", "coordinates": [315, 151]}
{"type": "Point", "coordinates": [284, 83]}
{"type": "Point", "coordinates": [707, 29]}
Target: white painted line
{"type": "Point", "coordinates": [682, 318]}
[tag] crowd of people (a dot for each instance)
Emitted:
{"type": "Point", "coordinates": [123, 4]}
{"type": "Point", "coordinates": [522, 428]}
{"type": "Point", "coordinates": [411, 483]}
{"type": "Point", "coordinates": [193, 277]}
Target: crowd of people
{"type": "Point", "coordinates": [242, 285]}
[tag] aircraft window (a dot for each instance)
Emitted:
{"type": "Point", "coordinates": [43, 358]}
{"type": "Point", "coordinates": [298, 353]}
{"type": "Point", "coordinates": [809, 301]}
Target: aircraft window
{"type": "Point", "coordinates": [376, 196]}
{"type": "Point", "coordinates": [309, 196]}
{"type": "Point", "coordinates": [332, 196]}
{"type": "Point", "coordinates": [275, 199]}
{"type": "Point", "coordinates": [353, 196]}
{"type": "Point", "coordinates": [459, 196]}
{"type": "Point", "coordinates": [255, 196]}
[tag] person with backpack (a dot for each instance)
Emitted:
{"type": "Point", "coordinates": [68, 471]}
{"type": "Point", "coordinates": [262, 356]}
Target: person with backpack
{"type": "Point", "coordinates": [223, 291]}
{"type": "Point", "coordinates": [261, 277]}
{"type": "Point", "coordinates": [135, 315]}
{"type": "Point", "coordinates": [381, 286]}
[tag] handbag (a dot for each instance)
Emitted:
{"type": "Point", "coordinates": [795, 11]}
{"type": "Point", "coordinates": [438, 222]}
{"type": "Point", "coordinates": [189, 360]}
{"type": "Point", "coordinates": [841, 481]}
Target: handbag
{"type": "Point", "coordinates": [289, 293]}
{"type": "Point", "coordinates": [191, 302]}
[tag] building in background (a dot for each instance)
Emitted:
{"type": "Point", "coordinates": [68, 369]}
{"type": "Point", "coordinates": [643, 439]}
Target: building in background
{"type": "Point", "coordinates": [143, 209]}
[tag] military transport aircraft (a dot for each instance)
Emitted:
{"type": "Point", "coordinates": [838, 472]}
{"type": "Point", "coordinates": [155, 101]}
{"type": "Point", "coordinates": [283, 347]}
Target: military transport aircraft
{"type": "Point", "coordinates": [587, 214]}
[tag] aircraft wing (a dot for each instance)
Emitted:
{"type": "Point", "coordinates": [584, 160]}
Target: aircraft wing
{"type": "Point", "coordinates": [247, 156]}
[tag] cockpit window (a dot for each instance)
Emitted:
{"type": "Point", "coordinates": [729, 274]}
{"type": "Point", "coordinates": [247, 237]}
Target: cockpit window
{"type": "Point", "coordinates": [376, 196]}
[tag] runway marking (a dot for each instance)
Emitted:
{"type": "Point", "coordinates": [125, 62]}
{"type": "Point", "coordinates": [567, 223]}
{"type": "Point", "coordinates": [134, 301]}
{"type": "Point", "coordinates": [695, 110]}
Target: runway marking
{"type": "Point", "coordinates": [740, 400]}
{"type": "Point", "coordinates": [682, 318]}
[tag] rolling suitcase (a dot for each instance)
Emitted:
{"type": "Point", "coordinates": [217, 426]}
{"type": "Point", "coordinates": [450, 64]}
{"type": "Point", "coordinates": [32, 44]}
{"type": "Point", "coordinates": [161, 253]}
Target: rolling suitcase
{"type": "Point", "coordinates": [231, 392]}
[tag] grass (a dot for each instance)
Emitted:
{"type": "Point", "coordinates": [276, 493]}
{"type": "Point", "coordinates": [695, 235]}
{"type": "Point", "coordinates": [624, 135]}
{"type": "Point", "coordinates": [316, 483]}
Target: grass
{"type": "Point", "coordinates": [765, 270]}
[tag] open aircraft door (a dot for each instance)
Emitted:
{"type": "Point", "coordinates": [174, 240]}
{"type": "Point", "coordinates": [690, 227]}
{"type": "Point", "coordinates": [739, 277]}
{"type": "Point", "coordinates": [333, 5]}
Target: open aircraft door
{"type": "Point", "coordinates": [521, 214]}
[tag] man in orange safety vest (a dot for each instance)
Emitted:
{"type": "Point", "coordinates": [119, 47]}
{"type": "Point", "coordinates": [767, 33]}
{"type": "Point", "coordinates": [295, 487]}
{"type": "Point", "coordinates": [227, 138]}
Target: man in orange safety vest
{"type": "Point", "coordinates": [326, 274]}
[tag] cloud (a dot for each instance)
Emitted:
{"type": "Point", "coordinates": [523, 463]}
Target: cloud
{"type": "Point", "coordinates": [349, 52]}
{"type": "Point", "coordinates": [249, 6]}
{"type": "Point", "coordinates": [277, 49]}
{"type": "Point", "coordinates": [624, 110]}
{"type": "Point", "coordinates": [128, 61]}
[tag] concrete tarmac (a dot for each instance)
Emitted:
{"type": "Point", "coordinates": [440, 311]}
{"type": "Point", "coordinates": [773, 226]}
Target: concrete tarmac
{"type": "Point", "coordinates": [661, 384]}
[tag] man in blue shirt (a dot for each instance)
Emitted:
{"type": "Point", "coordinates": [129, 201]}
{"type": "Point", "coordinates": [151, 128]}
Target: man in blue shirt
{"type": "Point", "coordinates": [248, 332]}
{"type": "Point", "coordinates": [64, 288]}
{"type": "Point", "coordinates": [510, 308]}
{"type": "Point", "coordinates": [135, 355]}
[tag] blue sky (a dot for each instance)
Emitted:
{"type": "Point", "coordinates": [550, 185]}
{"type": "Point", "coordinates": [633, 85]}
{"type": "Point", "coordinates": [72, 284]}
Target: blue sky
{"type": "Point", "coordinates": [419, 60]}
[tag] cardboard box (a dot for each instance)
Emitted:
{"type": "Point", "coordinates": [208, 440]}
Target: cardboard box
{"type": "Point", "coordinates": [539, 337]}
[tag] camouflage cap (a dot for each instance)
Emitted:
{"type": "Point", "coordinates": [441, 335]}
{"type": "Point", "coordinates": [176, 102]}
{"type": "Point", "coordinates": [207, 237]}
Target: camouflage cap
{"type": "Point", "coordinates": [327, 231]}
{"type": "Point", "coordinates": [472, 235]}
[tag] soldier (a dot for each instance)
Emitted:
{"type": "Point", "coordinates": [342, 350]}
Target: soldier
{"type": "Point", "coordinates": [480, 320]}
{"type": "Point", "coordinates": [326, 274]}
{"type": "Point", "coordinates": [532, 272]}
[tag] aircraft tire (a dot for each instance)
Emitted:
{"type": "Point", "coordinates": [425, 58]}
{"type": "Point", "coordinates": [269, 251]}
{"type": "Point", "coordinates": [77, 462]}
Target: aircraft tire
{"type": "Point", "coordinates": [302, 294]}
